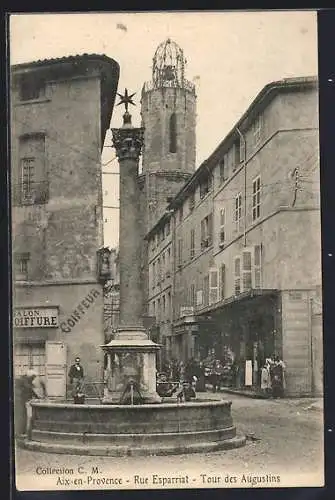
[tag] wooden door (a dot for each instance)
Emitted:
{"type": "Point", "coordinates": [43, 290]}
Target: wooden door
{"type": "Point", "coordinates": [55, 369]}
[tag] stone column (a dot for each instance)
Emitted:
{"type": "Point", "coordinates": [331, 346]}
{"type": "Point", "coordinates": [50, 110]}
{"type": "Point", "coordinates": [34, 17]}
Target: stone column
{"type": "Point", "coordinates": [133, 353]}
{"type": "Point", "coordinates": [128, 143]}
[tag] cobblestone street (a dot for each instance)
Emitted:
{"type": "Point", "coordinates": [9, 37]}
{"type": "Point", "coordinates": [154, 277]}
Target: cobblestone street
{"type": "Point", "coordinates": [284, 438]}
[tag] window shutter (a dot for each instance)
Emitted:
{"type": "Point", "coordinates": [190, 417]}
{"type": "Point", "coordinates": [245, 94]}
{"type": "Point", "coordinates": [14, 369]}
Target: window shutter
{"type": "Point", "coordinates": [213, 286]}
{"type": "Point", "coordinates": [202, 233]}
{"type": "Point", "coordinates": [242, 150]}
{"type": "Point", "coordinates": [206, 290]}
{"type": "Point", "coordinates": [200, 298]}
{"type": "Point", "coordinates": [258, 266]}
{"type": "Point", "coordinates": [192, 295]}
{"type": "Point", "coordinates": [222, 234]}
{"type": "Point", "coordinates": [210, 229]}
{"type": "Point", "coordinates": [180, 251]}
{"type": "Point", "coordinates": [192, 244]}
{"type": "Point", "coordinates": [223, 280]}
{"type": "Point", "coordinates": [237, 276]}
{"type": "Point", "coordinates": [247, 270]}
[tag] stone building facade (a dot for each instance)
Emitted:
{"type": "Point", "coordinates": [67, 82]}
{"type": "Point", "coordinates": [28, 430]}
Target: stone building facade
{"type": "Point", "coordinates": [60, 111]}
{"type": "Point", "coordinates": [246, 245]}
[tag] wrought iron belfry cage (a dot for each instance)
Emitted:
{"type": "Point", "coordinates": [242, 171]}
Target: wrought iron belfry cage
{"type": "Point", "coordinates": [168, 65]}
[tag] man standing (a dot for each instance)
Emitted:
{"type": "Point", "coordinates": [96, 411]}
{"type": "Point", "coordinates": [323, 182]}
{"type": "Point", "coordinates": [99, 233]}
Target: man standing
{"type": "Point", "coordinates": [27, 387]}
{"type": "Point", "coordinates": [76, 377]}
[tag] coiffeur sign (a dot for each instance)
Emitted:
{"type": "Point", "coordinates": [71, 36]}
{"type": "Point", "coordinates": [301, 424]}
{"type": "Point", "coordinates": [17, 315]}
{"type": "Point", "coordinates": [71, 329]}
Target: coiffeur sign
{"type": "Point", "coordinates": [32, 317]}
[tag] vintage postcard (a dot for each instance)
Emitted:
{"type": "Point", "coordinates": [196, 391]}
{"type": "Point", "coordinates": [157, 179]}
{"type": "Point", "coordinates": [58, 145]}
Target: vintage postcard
{"type": "Point", "coordinates": [166, 238]}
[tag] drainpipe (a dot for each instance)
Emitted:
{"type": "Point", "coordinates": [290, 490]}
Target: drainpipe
{"type": "Point", "coordinates": [174, 266]}
{"type": "Point", "coordinates": [245, 184]}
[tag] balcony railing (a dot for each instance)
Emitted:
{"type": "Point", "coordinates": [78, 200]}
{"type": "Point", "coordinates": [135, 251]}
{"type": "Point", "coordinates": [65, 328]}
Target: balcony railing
{"type": "Point", "coordinates": [37, 193]}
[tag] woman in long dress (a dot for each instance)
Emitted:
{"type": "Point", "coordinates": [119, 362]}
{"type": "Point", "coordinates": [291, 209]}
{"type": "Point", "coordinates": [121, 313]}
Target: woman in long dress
{"type": "Point", "coordinates": [266, 379]}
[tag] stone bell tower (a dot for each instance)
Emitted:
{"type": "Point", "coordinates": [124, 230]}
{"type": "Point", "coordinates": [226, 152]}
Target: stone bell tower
{"type": "Point", "coordinates": [168, 110]}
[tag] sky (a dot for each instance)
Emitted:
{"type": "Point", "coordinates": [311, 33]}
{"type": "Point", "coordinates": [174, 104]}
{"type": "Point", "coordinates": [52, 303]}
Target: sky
{"type": "Point", "coordinates": [232, 54]}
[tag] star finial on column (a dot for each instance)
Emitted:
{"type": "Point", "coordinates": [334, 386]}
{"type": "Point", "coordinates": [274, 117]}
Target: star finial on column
{"type": "Point", "coordinates": [126, 99]}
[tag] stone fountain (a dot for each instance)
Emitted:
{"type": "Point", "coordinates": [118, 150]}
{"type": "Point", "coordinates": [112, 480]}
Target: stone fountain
{"type": "Point", "coordinates": [137, 422]}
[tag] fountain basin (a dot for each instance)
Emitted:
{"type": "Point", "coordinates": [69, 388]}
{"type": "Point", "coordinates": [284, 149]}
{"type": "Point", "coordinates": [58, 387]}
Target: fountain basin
{"type": "Point", "coordinates": [122, 430]}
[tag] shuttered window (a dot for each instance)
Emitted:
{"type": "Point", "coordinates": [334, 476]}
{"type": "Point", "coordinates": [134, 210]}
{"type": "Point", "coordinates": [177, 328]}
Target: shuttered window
{"type": "Point", "coordinates": [180, 251]}
{"type": "Point", "coordinates": [206, 290]}
{"type": "Point", "coordinates": [213, 286]}
{"type": "Point", "coordinates": [238, 211]}
{"type": "Point", "coordinates": [223, 281]}
{"type": "Point", "coordinates": [192, 295]}
{"type": "Point", "coordinates": [192, 243]}
{"type": "Point", "coordinates": [247, 270]}
{"type": "Point", "coordinates": [256, 198]}
{"type": "Point", "coordinates": [258, 266]}
{"type": "Point", "coordinates": [222, 233]}
{"type": "Point", "coordinates": [237, 277]}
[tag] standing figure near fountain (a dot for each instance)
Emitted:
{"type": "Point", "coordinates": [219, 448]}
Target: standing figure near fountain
{"type": "Point", "coordinates": [76, 377]}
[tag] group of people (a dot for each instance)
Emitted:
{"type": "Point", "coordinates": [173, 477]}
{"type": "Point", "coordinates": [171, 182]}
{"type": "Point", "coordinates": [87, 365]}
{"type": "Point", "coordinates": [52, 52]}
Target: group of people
{"type": "Point", "coordinates": [273, 377]}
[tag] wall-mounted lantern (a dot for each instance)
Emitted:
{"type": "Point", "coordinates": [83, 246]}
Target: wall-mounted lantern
{"type": "Point", "coordinates": [104, 264]}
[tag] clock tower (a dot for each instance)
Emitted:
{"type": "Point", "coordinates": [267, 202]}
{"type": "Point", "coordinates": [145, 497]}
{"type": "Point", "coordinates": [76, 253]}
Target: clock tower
{"type": "Point", "coordinates": [168, 110]}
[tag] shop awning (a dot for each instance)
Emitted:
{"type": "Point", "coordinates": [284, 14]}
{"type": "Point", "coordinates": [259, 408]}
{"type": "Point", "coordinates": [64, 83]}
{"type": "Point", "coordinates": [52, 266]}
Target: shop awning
{"type": "Point", "coordinates": [237, 299]}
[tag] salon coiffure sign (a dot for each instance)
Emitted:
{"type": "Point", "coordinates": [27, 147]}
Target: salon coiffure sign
{"type": "Point", "coordinates": [35, 317]}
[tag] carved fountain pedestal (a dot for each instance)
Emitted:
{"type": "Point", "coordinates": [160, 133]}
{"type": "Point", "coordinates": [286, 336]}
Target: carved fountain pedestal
{"type": "Point", "coordinates": [130, 358]}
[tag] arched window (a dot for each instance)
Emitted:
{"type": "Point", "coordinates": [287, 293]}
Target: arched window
{"type": "Point", "coordinates": [173, 133]}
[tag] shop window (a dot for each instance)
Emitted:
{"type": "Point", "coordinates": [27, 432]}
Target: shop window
{"type": "Point", "coordinates": [27, 357]}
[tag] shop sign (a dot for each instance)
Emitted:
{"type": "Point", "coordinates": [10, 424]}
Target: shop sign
{"type": "Point", "coordinates": [35, 317]}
